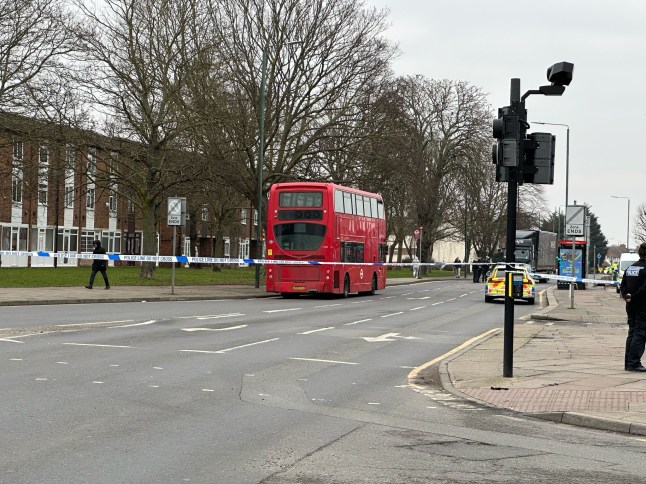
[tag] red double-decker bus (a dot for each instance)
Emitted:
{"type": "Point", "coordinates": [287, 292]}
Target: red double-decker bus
{"type": "Point", "coordinates": [339, 231]}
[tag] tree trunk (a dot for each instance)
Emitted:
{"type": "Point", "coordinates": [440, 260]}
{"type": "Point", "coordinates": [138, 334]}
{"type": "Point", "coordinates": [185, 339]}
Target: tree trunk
{"type": "Point", "coordinates": [150, 238]}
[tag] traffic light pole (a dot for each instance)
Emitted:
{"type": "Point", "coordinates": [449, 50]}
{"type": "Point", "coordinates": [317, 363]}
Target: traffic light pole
{"type": "Point", "coordinates": [515, 173]}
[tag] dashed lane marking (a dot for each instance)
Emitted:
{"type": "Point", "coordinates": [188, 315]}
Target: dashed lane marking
{"type": "Point", "coordinates": [98, 346]}
{"type": "Point", "coordinates": [415, 309]}
{"type": "Point", "coordinates": [317, 330]}
{"type": "Point", "coordinates": [327, 305]}
{"type": "Point", "coordinates": [392, 314]}
{"type": "Point", "coordinates": [357, 322]}
{"type": "Point", "coordinates": [282, 310]}
{"type": "Point", "coordinates": [145, 323]}
{"type": "Point", "coordinates": [230, 349]}
{"type": "Point", "coordinates": [240, 326]}
{"type": "Point", "coordinates": [325, 361]}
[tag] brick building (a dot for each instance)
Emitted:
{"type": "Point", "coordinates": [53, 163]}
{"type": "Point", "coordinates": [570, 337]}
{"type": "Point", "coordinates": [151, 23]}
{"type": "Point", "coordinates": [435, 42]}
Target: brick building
{"type": "Point", "coordinates": [58, 194]}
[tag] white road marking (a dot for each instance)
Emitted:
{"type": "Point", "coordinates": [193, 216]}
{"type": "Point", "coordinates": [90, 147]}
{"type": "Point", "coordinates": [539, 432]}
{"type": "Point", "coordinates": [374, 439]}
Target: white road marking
{"type": "Point", "coordinates": [392, 314]}
{"type": "Point", "coordinates": [207, 390]}
{"type": "Point", "coordinates": [96, 381]}
{"type": "Point", "coordinates": [114, 365]}
{"type": "Point", "coordinates": [99, 346]}
{"type": "Point", "coordinates": [407, 367]}
{"type": "Point", "coordinates": [317, 330]}
{"type": "Point", "coordinates": [98, 322]}
{"type": "Point", "coordinates": [363, 301]}
{"type": "Point", "coordinates": [328, 305]}
{"type": "Point", "coordinates": [462, 295]}
{"type": "Point", "coordinates": [282, 310]}
{"type": "Point", "coordinates": [9, 340]}
{"type": "Point", "coordinates": [387, 297]}
{"type": "Point", "coordinates": [230, 349]}
{"type": "Point", "coordinates": [387, 337]}
{"type": "Point", "coordinates": [15, 359]}
{"type": "Point", "coordinates": [137, 324]}
{"type": "Point", "coordinates": [373, 403]}
{"type": "Point", "coordinates": [415, 309]}
{"type": "Point", "coordinates": [62, 362]}
{"type": "Point", "coordinates": [157, 368]}
{"type": "Point", "coordinates": [357, 322]}
{"type": "Point", "coordinates": [452, 299]}
{"type": "Point", "coordinates": [41, 379]}
{"type": "Point", "coordinates": [435, 304]}
{"type": "Point", "coordinates": [153, 386]}
{"type": "Point", "coordinates": [219, 316]}
{"type": "Point", "coordinates": [215, 329]}
{"type": "Point", "coordinates": [325, 361]}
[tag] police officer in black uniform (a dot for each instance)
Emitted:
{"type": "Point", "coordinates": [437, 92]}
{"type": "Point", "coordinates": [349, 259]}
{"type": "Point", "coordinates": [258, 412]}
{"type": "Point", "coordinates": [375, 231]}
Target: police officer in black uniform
{"type": "Point", "coordinates": [633, 290]}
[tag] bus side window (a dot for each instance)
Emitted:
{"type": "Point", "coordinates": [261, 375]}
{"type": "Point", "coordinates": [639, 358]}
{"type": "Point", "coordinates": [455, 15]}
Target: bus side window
{"type": "Point", "coordinates": [359, 204]}
{"type": "Point", "coordinates": [338, 201]}
{"type": "Point", "coordinates": [347, 202]}
{"type": "Point", "coordinates": [373, 207]}
{"type": "Point", "coordinates": [366, 207]}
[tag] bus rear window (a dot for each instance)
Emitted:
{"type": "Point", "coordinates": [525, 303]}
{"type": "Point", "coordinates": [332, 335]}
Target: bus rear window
{"type": "Point", "coordinates": [300, 199]}
{"type": "Point", "coordinates": [299, 236]}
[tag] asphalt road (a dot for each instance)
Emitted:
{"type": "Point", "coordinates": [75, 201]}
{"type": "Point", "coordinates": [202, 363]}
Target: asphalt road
{"type": "Point", "coordinates": [272, 390]}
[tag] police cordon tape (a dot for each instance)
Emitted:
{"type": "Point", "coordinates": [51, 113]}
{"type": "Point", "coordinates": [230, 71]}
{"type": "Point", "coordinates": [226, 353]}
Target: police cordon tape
{"type": "Point", "coordinates": [225, 260]}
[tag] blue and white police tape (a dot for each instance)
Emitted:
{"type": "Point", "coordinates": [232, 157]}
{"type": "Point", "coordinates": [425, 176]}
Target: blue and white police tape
{"type": "Point", "coordinates": [556, 277]}
{"type": "Point", "coordinates": [227, 260]}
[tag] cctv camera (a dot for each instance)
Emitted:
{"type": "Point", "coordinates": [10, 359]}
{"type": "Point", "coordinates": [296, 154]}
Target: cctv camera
{"type": "Point", "coordinates": [560, 74]}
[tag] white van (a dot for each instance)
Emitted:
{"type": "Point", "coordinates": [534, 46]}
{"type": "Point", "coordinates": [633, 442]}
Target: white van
{"type": "Point", "coordinates": [625, 261]}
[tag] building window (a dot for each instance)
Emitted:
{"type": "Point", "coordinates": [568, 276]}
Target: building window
{"type": "Point", "coordinates": [90, 198]}
{"type": "Point", "coordinates": [243, 216]}
{"type": "Point", "coordinates": [111, 241]}
{"type": "Point", "coordinates": [112, 201]}
{"type": "Point", "coordinates": [17, 151]}
{"type": "Point", "coordinates": [205, 213]}
{"type": "Point", "coordinates": [227, 247]}
{"type": "Point", "coordinates": [69, 196]}
{"type": "Point", "coordinates": [91, 163]}
{"type": "Point", "coordinates": [43, 173]}
{"type": "Point", "coordinates": [70, 158]}
{"type": "Point", "coordinates": [87, 237]}
{"type": "Point", "coordinates": [255, 217]}
{"type": "Point", "coordinates": [244, 249]}
{"type": "Point", "coordinates": [16, 185]}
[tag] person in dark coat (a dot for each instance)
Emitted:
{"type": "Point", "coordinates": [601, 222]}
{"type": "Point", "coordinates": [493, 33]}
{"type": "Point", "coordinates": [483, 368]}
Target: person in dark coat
{"type": "Point", "coordinates": [476, 270]}
{"type": "Point", "coordinates": [633, 290]}
{"type": "Point", "coordinates": [99, 265]}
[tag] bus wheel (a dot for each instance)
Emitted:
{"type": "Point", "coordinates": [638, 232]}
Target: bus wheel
{"type": "Point", "coordinates": [373, 288]}
{"type": "Point", "coordinates": [346, 286]}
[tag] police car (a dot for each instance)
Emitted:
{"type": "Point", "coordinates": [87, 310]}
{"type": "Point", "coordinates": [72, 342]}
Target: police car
{"type": "Point", "coordinates": [495, 286]}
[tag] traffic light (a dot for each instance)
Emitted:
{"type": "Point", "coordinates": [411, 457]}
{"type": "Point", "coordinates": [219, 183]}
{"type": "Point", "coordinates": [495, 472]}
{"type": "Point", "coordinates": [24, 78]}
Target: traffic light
{"type": "Point", "coordinates": [538, 167]}
{"type": "Point", "coordinates": [506, 130]}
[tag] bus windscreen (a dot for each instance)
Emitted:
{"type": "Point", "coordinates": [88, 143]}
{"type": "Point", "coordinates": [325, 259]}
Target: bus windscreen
{"type": "Point", "coordinates": [299, 236]}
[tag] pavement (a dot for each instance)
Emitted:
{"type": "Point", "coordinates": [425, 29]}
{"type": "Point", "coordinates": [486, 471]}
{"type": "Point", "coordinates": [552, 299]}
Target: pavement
{"type": "Point", "coordinates": [568, 362]}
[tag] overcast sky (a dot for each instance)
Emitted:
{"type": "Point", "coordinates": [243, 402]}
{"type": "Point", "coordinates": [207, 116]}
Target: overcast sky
{"type": "Point", "coordinates": [486, 43]}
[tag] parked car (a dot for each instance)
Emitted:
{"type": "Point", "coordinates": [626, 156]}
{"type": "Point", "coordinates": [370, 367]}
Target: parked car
{"type": "Point", "coordinates": [495, 286]}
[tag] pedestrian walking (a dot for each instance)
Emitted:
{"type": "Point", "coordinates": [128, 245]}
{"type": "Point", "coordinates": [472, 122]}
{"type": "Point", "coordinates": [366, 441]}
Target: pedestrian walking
{"type": "Point", "coordinates": [476, 270]}
{"type": "Point", "coordinates": [98, 265]}
{"type": "Point", "coordinates": [456, 268]}
{"type": "Point", "coordinates": [415, 267]}
{"type": "Point", "coordinates": [633, 290]}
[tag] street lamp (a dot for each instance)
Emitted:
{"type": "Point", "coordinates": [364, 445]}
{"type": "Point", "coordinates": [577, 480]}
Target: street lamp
{"type": "Point", "coordinates": [261, 151]}
{"type": "Point", "coordinates": [567, 161]}
{"type": "Point", "coordinates": [628, 221]}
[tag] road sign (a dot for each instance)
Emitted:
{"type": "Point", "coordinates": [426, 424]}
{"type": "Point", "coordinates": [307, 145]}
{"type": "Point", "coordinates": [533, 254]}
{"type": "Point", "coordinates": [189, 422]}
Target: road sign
{"type": "Point", "coordinates": [416, 234]}
{"type": "Point", "coordinates": [598, 256]}
{"type": "Point", "coordinates": [575, 220]}
{"type": "Point", "coordinates": [176, 211]}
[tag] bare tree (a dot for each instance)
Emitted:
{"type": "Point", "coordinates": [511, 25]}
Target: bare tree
{"type": "Point", "coordinates": [321, 57]}
{"type": "Point", "coordinates": [33, 39]}
{"type": "Point", "coordinates": [136, 59]}
{"type": "Point", "coordinates": [449, 121]}
{"type": "Point", "coordinates": [639, 223]}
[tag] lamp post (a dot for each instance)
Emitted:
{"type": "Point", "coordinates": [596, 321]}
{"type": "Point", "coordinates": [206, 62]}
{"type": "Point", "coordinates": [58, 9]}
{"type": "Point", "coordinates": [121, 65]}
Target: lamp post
{"type": "Point", "coordinates": [567, 161]}
{"type": "Point", "coordinates": [261, 159]}
{"type": "Point", "coordinates": [261, 151]}
{"type": "Point", "coordinates": [628, 221]}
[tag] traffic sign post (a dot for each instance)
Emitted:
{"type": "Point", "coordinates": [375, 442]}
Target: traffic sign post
{"type": "Point", "coordinates": [176, 216]}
